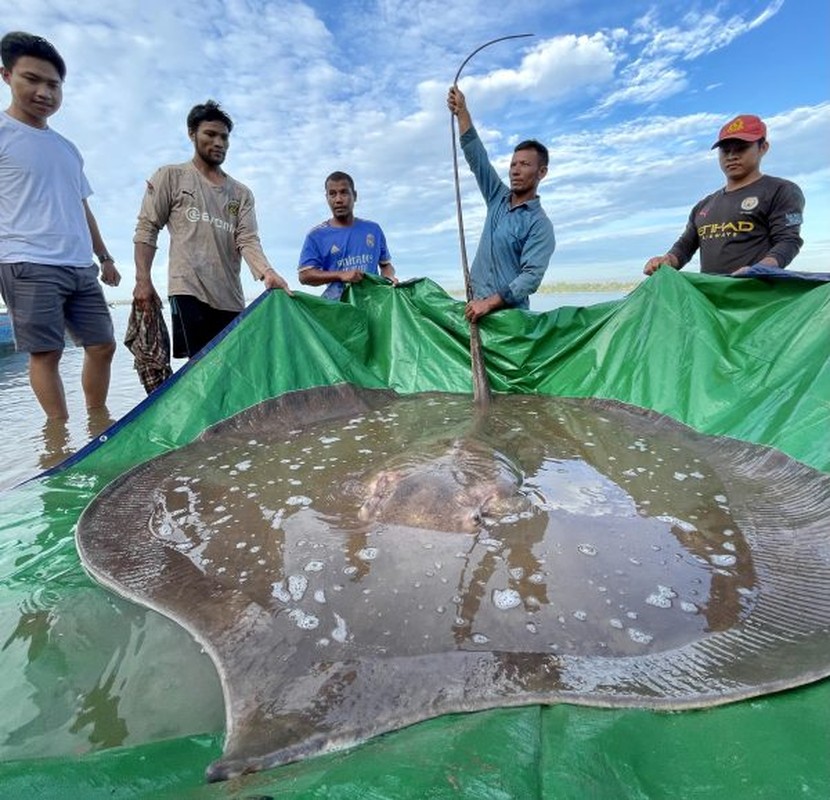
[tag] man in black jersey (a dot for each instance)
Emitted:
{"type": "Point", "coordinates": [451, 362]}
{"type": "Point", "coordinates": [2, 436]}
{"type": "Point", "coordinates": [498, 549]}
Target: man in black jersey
{"type": "Point", "coordinates": [754, 219]}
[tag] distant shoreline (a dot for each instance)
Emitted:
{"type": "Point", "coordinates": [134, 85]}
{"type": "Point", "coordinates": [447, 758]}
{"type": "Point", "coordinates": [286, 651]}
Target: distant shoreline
{"type": "Point", "coordinates": [593, 286]}
{"type": "Point", "coordinates": [574, 287]}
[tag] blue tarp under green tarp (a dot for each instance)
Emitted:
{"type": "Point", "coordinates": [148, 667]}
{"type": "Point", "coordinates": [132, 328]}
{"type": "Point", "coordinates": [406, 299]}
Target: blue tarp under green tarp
{"type": "Point", "coordinates": [744, 358]}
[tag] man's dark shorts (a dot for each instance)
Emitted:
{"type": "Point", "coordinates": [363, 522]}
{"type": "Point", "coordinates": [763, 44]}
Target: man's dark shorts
{"type": "Point", "coordinates": [45, 302]}
{"type": "Point", "coordinates": [195, 323]}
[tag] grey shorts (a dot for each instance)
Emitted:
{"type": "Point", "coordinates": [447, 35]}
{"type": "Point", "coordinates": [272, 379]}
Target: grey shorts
{"type": "Point", "coordinates": [46, 302]}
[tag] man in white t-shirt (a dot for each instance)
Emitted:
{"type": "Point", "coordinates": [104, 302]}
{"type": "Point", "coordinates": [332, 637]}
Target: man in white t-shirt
{"type": "Point", "coordinates": [48, 234]}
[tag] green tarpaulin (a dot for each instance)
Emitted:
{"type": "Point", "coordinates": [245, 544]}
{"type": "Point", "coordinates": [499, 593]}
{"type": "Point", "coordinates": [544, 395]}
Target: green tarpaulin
{"type": "Point", "coordinates": [744, 358]}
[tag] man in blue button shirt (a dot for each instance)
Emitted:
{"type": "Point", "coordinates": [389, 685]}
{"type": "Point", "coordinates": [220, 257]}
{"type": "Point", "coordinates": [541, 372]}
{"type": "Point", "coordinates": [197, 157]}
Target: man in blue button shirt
{"type": "Point", "coordinates": [517, 241]}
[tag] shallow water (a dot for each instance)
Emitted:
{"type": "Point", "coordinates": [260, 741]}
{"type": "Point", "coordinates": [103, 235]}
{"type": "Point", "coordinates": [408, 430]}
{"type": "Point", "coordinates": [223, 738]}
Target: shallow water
{"type": "Point", "coordinates": [645, 567]}
{"type": "Point", "coordinates": [83, 669]}
{"type": "Point", "coordinates": [30, 445]}
{"type": "Point", "coordinates": [630, 546]}
{"type": "Point", "coordinates": [627, 543]}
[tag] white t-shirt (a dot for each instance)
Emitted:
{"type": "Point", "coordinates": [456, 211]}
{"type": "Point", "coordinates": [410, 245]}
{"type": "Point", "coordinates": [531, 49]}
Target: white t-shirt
{"type": "Point", "coordinates": [42, 186]}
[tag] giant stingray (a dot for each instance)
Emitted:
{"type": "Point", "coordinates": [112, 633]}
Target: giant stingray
{"type": "Point", "coordinates": [356, 562]}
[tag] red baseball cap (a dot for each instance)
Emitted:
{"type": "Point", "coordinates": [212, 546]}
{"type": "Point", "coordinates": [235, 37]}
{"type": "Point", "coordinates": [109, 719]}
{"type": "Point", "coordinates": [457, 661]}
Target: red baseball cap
{"type": "Point", "coordinates": [746, 127]}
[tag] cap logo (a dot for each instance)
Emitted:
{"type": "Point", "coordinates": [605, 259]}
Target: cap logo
{"type": "Point", "coordinates": [735, 126]}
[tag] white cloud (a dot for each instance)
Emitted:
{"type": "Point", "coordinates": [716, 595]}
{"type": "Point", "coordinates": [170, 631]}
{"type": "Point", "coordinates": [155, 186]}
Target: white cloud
{"type": "Point", "coordinates": [361, 86]}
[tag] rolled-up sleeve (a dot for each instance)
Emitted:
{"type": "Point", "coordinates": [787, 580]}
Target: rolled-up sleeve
{"type": "Point", "coordinates": [155, 209]}
{"type": "Point", "coordinates": [489, 183]}
{"type": "Point", "coordinates": [536, 255]}
{"type": "Point", "coordinates": [247, 238]}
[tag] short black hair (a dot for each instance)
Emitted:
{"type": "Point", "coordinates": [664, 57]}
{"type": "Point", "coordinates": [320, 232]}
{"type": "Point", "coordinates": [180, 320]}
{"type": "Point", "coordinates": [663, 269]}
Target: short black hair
{"type": "Point", "coordinates": [209, 111]}
{"type": "Point", "coordinates": [340, 176]}
{"type": "Point", "coordinates": [532, 144]}
{"type": "Point", "coordinates": [17, 44]}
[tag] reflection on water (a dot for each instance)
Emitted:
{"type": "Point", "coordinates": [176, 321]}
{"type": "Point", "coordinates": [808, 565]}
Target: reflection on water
{"type": "Point", "coordinates": [77, 677]}
{"type": "Point", "coordinates": [629, 541]}
{"type": "Point", "coordinates": [24, 450]}
{"type": "Point", "coordinates": [27, 447]}
{"type": "Point", "coordinates": [55, 443]}
{"type": "Point", "coordinates": [626, 544]}
{"type": "Point", "coordinates": [632, 544]}
{"type": "Point", "coordinates": [616, 558]}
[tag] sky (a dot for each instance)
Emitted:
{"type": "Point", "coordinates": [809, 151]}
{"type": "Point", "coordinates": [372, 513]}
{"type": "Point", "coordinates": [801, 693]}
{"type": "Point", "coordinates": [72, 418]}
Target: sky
{"type": "Point", "coordinates": [628, 96]}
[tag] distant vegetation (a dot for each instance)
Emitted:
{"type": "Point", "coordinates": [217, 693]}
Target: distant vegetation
{"type": "Point", "coordinates": [596, 286]}
{"type": "Point", "coordinates": [573, 287]}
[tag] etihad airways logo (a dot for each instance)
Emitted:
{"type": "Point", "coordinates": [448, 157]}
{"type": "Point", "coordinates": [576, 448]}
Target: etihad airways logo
{"type": "Point", "coordinates": [194, 214]}
{"type": "Point", "coordinates": [723, 230]}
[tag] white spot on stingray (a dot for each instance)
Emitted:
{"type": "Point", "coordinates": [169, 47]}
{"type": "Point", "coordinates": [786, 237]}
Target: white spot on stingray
{"type": "Point", "coordinates": [297, 584]}
{"type": "Point", "coordinates": [586, 549]}
{"type": "Point", "coordinates": [279, 591]}
{"type": "Point", "coordinates": [314, 566]}
{"type": "Point", "coordinates": [638, 636]}
{"type": "Point", "coordinates": [686, 527]}
{"type": "Point", "coordinates": [723, 560]}
{"type": "Point", "coordinates": [492, 544]}
{"type": "Point", "coordinates": [504, 599]}
{"type": "Point", "coordinates": [662, 597]}
{"type": "Point", "coordinates": [367, 554]}
{"type": "Point", "coordinates": [340, 633]}
{"type": "Point", "coordinates": [480, 638]}
{"type": "Point", "coordinates": [307, 622]}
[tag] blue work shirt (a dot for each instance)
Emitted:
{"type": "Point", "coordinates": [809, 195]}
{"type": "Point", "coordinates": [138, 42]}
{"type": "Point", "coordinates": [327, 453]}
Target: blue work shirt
{"type": "Point", "coordinates": [516, 243]}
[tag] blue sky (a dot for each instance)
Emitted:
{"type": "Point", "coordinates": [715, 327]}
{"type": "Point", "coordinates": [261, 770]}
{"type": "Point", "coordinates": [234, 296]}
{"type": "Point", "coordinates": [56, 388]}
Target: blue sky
{"type": "Point", "coordinates": [628, 96]}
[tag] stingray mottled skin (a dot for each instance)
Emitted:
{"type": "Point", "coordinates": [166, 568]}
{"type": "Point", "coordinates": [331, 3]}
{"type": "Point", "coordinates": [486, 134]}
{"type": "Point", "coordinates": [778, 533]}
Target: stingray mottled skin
{"type": "Point", "coordinates": [638, 564]}
{"type": "Point", "coordinates": [458, 489]}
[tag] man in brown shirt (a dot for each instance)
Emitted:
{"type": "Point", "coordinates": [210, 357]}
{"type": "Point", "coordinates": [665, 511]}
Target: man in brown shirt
{"type": "Point", "coordinates": [212, 225]}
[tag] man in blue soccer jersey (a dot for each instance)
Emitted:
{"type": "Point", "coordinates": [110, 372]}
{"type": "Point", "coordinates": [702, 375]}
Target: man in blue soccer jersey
{"type": "Point", "coordinates": [342, 249]}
